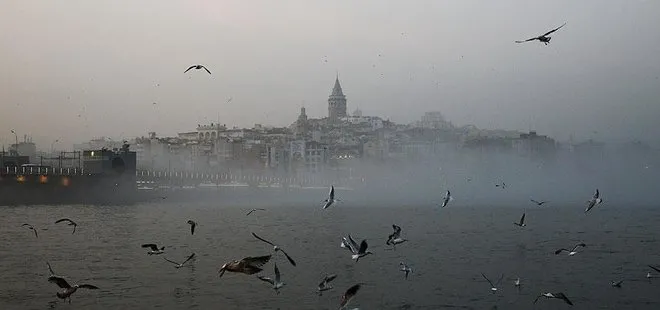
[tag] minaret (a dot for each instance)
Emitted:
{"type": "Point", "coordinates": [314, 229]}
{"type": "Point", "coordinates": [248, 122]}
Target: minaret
{"type": "Point", "coordinates": [336, 102]}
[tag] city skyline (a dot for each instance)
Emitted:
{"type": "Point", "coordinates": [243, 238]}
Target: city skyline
{"type": "Point", "coordinates": [395, 60]}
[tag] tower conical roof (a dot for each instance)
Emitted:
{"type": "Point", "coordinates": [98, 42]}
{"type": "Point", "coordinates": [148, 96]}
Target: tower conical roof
{"type": "Point", "coordinates": [336, 91]}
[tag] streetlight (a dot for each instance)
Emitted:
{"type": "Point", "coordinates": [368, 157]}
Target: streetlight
{"type": "Point", "coordinates": [15, 145]}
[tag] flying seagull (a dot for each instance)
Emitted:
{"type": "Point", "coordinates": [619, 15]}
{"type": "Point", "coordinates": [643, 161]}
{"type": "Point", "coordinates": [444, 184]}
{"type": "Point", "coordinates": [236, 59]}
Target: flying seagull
{"type": "Point", "coordinates": [350, 293]}
{"type": "Point", "coordinates": [253, 210]}
{"type": "Point", "coordinates": [248, 265]}
{"type": "Point", "coordinates": [68, 289]}
{"type": "Point", "coordinates": [493, 287]}
{"type": "Point", "coordinates": [617, 283]}
{"type": "Point", "coordinates": [353, 247]}
{"type": "Point", "coordinates": [325, 283]}
{"type": "Point", "coordinates": [276, 249]}
{"type": "Point", "coordinates": [69, 222]}
{"type": "Point", "coordinates": [503, 185]}
{"type": "Point", "coordinates": [30, 227]}
{"type": "Point", "coordinates": [192, 224]}
{"type": "Point", "coordinates": [573, 251]}
{"type": "Point", "coordinates": [446, 200]}
{"type": "Point", "coordinates": [544, 37]}
{"type": "Point", "coordinates": [154, 250]}
{"type": "Point", "coordinates": [554, 295]}
{"type": "Point", "coordinates": [394, 238]}
{"type": "Point", "coordinates": [538, 203]}
{"type": "Point", "coordinates": [179, 265]}
{"type": "Point", "coordinates": [331, 198]}
{"type": "Point", "coordinates": [595, 200]}
{"type": "Point", "coordinates": [405, 268]}
{"type": "Point", "coordinates": [522, 221]}
{"type": "Point", "coordinates": [276, 283]}
{"type": "Point", "coordinates": [197, 67]}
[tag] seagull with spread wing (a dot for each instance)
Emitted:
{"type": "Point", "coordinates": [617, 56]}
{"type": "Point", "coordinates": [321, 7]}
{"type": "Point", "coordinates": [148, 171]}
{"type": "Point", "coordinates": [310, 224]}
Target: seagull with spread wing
{"type": "Point", "coordinates": [331, 198]}
{"type": "Point", "coordinates": [493, 287]}
{"type": "Point", "coordinates": [405, 268]}
{"type": "Point", "coordinates": [68, 222]}
{"type": "Point", "coordinates": [154, 249]}
{"type": "Point", "coordinates": [446, 199]}
{"type": "Point", "coordinates": [32, 228]}
{"type": "Point", "coordinates": [571, 252]}
{"type": "Point", "coordinates": [554, 295]}
{"type": "Point", "coordinates": [276, 283]}
{"type": "Point", "coordinates": [538, 203]}
{"type": "Point", "coordinates": [254, 210]}
{"type": "Point", "coordinates": [544, 37]}
{"type": "Point", "coordinates": [68, 289]}
{"type": "Point", "coordinates": [197, 67]}
{"type": "Point", "coordinates": [179, 265]}
{"type": "Point", "coordinates": [348, 296]}
{"type": "Point", "coordinates": [357, 252]}
{"type": "Point", "coordinates": [522, 221]}
{"type": "Point", "coordinates": [276, 249]}
{"type": "Point", "coordinates": [395, 237]}
{"type": "Point", "coordinates": [325, 283]}
{"type": "Point", "coordinates": [594, 201]}
{"type": "Point", "coordinates": [248, 265]}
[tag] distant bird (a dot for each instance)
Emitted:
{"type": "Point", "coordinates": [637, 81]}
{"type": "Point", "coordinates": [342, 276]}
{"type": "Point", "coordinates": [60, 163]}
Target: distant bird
{"type": "Point", "coordinates": [356, 251]}
{"type": "Point", "coordinates": [154, 250]}
{"type": "Point", "coordinates": [253, 210]}
{"type": "Point", "coordinates": [30, 227]}
{"type": "Point", "coordinates": [248, 265]}
{"type": "Point", "coordinates": [276, 249]}
{"type": "Point", "coordinates": [522, 221]}
{"type": "Point", "coordinates": [331, 198]}
{"type": "Point", "coordinates": [554, 295]}
{"type": "Point", "coordinates": [405, 268]}
{"type": "Point", "coordinates": [502, 185]}
{"type": "Point", "coordinates": [493, 287]}
{"type": "Point", "coordinates": [69, 222]}
{"type": "Point", "coordinates": [197, 67]}
{"type": "Point", "coordinates": [68, 289]}
{"type": "Point", "coordinates": [192, 224]}
{"type": "Point", "coordinates": [276, 283]}
{"type": "Point", "coordinates": [544, 37]}
{"type": "Point", "coordinates": [516, 283]}
{"type": "Point", "coordinates": [446, 200]}
{"type": "Point", "coordinates": [179, 265]}
{"type": "Point", "coordinates": [350, 293]}
{"type": "Point", "coordinates": [538, 203]}
{"type": "Point", "coordinates": [325, 283]}
{"type": "Point", "coordinates": [573, 251]}
{"type": "Point", "coordinates": [594, 201]}
{"type": "Point", "coordinates": [617, 283]}
{"type": "Point", "coordinates": [394, 238]}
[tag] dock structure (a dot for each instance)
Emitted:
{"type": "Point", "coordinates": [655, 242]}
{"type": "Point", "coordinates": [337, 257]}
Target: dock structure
{"type": "Point", "coordinates": [47, 175]}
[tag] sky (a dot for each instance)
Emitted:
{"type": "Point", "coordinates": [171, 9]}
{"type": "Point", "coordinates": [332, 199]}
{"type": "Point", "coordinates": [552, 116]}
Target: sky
{"type": "Point", "coordinates": [77, 69]}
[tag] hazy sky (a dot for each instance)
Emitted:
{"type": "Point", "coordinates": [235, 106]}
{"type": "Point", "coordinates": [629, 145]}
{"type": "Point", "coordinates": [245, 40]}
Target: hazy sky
{"type": "Point", "coordinates": [109, 61]}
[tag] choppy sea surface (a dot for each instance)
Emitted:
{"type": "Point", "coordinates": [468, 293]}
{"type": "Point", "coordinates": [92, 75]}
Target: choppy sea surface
{"type": "Point", "coordinates": [448, 250]}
